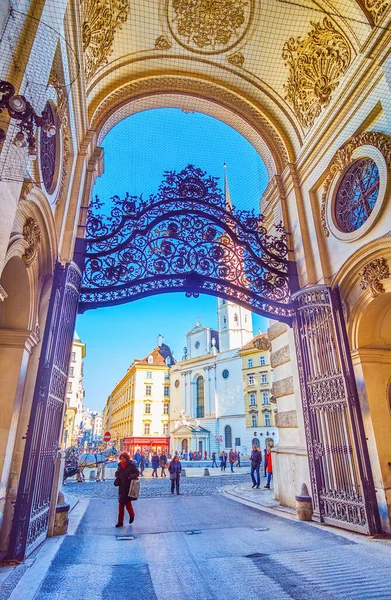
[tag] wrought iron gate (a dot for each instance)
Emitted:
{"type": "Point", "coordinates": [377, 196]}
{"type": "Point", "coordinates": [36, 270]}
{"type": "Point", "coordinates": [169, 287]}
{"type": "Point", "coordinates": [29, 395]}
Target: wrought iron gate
{"type": "Point", "coordinates": [341, 478]}
{"type": "Point", "coordinates": [36, 482]}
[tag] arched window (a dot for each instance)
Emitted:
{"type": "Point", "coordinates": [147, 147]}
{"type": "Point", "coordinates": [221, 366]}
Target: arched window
{"type": "Point", "coordinates": [255, 442]}
{"type": "Point", "coordinates": [200, 397]}
{"type": "Point", "coordinates": [228, 436]}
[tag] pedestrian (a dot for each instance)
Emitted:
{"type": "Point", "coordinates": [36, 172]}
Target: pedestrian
{"type": "Point", "coordinates": [221, 461]}
{"type": "Point", "coordinates": [256, 459]}
{"type": "Point", "coordinates": [214, 463]}
{"type": "Point", "coordinates": [137, 458]}
{"type": "Point", "coordinates": [125, 473]}
{"type": "Point", "coordinates": [146, 461]}
{"type": "Point", "coordinates": [175, 469]}
{"type": "Point", "coordinates": [269, 468]}
{"type": "Point", "coordinates": [142, 465]}
{"type": "Point", "coordinates": [238, 460]}
{"type": "Point", "coordinates": [163, 464]}
{"type": "Point", "coordinates": [190, 455]}
{"type": "Point", "coordinates": [265, 463]}
{"type": "Point", "coordinates": [155, 464]}
{"type": "Point", "coordinates": [231, 459]}
{"type": "Point", "coordinates": [205, 455]}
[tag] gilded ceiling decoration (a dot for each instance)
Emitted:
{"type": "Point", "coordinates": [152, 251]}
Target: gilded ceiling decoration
{"type": "Point", "coordinates": [100, 21]}
{"type": "Point", "coordinates": [32, 236]}
{"type": "Point", "coordinates": [236, 59]}
{"type": "Point", "coordinates": [343, 158]}
{"type": "Point", "coordinates": [162, 43]}
{"type": "Point", "coordinates": [372, 276]}
{"type": "Point", "coordinates": [209, 26]}
{"type": "Point", "coordinates": [377, 9]}
{"type": "Point", "coordinates": [316, 65]}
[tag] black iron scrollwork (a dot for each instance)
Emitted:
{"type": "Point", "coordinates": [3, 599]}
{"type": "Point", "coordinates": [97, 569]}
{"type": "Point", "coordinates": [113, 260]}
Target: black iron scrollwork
{"type": "Point", "coordinates": [185, 238]}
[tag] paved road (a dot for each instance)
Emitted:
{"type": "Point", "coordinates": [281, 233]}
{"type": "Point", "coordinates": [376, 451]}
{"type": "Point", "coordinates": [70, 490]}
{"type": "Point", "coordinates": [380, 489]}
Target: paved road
{"type": "Point", "coordinates": [233, 552]}
{"type": "Point", "coordinates": [157, 488]}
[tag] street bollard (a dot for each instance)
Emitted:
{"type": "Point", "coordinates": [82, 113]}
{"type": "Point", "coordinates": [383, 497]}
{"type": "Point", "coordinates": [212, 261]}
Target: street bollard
{"type": "Point", "coordinates": [206, 472]}
{"type": "Point", "coordinates": [183, 473]}
{"type": "Point", "coordinates": [93, 475]}
{"type": "Point", "coordinates": [304, 504]}
{"type": "Point", "coordinates": [61, 518]}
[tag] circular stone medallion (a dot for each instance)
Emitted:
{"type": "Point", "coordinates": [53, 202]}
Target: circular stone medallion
{"type": "Point", "coordinates": [209, 26]}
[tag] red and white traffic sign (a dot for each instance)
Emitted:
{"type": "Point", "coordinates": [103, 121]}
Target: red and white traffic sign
{"type": "Point", "coordinates": [107, 436]}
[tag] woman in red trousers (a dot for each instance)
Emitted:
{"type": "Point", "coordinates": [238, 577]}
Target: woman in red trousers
{"type": "Point", "coordinates": [125, 473]}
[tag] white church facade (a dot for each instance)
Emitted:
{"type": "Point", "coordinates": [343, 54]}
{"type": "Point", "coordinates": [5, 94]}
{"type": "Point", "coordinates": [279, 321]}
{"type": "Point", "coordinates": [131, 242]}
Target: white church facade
{"type": "Point", "coordinates": [207, 411]}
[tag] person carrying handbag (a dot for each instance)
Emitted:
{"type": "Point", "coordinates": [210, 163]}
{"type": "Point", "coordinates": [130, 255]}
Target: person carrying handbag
{"type": "Point", "coordinates": [125, 473]}
{"type": "Point", "coordinates": [175, 469]}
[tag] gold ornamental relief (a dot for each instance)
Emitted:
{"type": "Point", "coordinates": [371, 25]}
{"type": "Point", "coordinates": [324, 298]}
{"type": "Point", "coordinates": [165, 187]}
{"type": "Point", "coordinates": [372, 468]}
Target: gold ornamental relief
{"type": "Point", "coordinates": [32, 235]}
{"type": "Point", "coordinates": [100, 21]}
{"type": "Point", "coordinates": [377, 9]}
{"type": "Point", "coordinates": [373, 274]}
{"type": "Point", "coordinates": [209, 26]}
{"type": "Point", "coordinates": [316, 65]}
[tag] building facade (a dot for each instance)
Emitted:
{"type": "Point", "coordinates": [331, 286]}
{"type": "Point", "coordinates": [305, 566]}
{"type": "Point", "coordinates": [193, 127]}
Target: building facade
{"type": "Point", "coordinates": [319, 119]}
{"type": "Point", "coordinates": [137, 410]}
{"type": "Point", "coordinates": [258, 400]}
{"type": "Point", "coordinates": [73, 418]}
{"type": "Point", "coordinates": [207, 403]}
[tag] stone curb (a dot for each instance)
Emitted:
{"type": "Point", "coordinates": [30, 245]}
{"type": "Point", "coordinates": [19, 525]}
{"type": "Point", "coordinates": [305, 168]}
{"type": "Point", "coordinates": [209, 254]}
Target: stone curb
{"type": "Point", "coordinates": [288, 513]}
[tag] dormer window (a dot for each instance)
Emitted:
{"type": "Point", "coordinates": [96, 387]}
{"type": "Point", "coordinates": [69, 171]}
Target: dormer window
{"type": "Point", "coordinates": [150, 359]}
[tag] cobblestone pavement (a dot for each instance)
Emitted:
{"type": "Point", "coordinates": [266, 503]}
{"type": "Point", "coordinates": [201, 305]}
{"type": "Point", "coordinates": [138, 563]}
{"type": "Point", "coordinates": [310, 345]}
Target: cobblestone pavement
{"type": "Point", "coordinates": [158, 488]}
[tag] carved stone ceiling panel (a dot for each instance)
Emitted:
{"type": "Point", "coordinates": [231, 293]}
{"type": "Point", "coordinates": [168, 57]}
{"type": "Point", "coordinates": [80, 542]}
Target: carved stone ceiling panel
{"type": "Point", "coordinates": [239, 43]}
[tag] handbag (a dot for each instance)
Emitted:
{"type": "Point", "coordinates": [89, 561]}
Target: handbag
{"type": "Point", "coordinates": [134, 489]}
{"type": "Point", "coordinates": [116, 482]}
{"type": "Point", "coordinates": [173, 476]}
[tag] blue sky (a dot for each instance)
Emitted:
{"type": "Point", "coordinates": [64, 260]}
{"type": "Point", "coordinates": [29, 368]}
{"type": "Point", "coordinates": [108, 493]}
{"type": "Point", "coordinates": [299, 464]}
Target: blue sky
{"type": "Point", "coordinates": [137, 152]}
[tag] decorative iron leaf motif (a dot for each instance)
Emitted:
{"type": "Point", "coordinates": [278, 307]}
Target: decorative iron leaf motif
{"type": "Point", "coordinates": [184, 239]}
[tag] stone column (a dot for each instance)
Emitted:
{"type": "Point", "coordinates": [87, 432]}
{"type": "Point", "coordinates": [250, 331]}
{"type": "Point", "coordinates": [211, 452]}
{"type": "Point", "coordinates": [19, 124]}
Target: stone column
{"type": "Point", "coordinates": [290, 463]}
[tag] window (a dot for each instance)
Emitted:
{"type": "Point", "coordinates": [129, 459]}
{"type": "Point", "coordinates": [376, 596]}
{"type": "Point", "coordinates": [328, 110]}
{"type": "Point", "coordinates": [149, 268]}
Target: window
{"type": "Point", "coordinates": [166, 390]}
{"type": "Point", "coordinates": [249, 363]}
{"type": "Point", "coordinates": [147, 428]}
{"type": "Point", "coordinates": [150, 359]}
{"type": "Point", "coordinates": [265, 397]}
{"type": "Point", "coordinates": [73, 357]}
{"type": "Point", "coordinates": [267, 420]}
{"type": "Point", "coordinates": [148, 390]}
{"type": "Point", "coordinates": [165, 428]}
{"type": "Point", "coordinates": [253, 399]}
{"type": "Point", "coordinates": [228, 436]}
{"type": "Point", "coordinates": [263, 377]}
{"type": "Point", "coordinates": [71, 371]}
{"type": "Point", "coordinates": [250, 380]}
{"type": "Point", "coordinates": [262, 361]}
{"type": "Point", "coordinates": [165, 409]}
{"type": "Point", "coordinates": [255, 442]}
{"type": "Point", "coordinates": [236, 319]}
{"type": "Point", "coordinates": [149, 374]}
{"type": "Point", "coordinates": [148, 408]}
{"type": "Point", "coordinates": [200, 396]}
{"type": "Point", "coordinates": [254, 420]}
{"type": "Point", "coordinates": [166, 375]}
{"type": "Point", "coordinates": [69, 390]}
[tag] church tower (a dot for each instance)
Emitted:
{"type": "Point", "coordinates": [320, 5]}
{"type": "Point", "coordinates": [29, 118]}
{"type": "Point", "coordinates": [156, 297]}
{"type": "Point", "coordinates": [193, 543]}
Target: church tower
{"type": "Point", "coordinates": [235, 322]}
{"type": "Point", "coordinates": [235, 325]}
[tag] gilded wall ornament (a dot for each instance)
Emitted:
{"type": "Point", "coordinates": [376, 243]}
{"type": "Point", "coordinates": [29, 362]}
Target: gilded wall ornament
{"type": "Point", "coordinates": [162, 43]}
{"type": "Point", "coordinates": [316, 65]}
{"type": "Point", "coordinates": [209, 26]}
{"type": "Point", "coordinates": [372, 275]}
{"type": "Point", "coordinates": [377, 9]}
{"type": "Point", "coordinates": [236, 59]}
{"type": "Point", "coordinates": [100, 21]}
{"type": "Point", "coordinates": [57, 82]}
{"type": "Point", "coordinates": [343, 158]}
{"type": "Point", "coordinates": [32, 235]}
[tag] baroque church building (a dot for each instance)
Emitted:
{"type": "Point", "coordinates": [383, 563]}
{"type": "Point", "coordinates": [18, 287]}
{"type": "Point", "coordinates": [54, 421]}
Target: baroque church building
{"type": "Point", "coordinates": [207, 402]}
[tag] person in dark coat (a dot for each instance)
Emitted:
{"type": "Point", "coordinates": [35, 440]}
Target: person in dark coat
{"type": "Point", "coordinates": [125, 473]}
{"type": "Point", "coordinates": [142, 465]}
{"type": "Point", "coordinates": [163, 462]}
{"type": "Point", "coordinates": [175, 470]}
{"type": "Point", "coordinates": [155, 464]}
{"type": "Point", "coordinates": [256, 459]}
